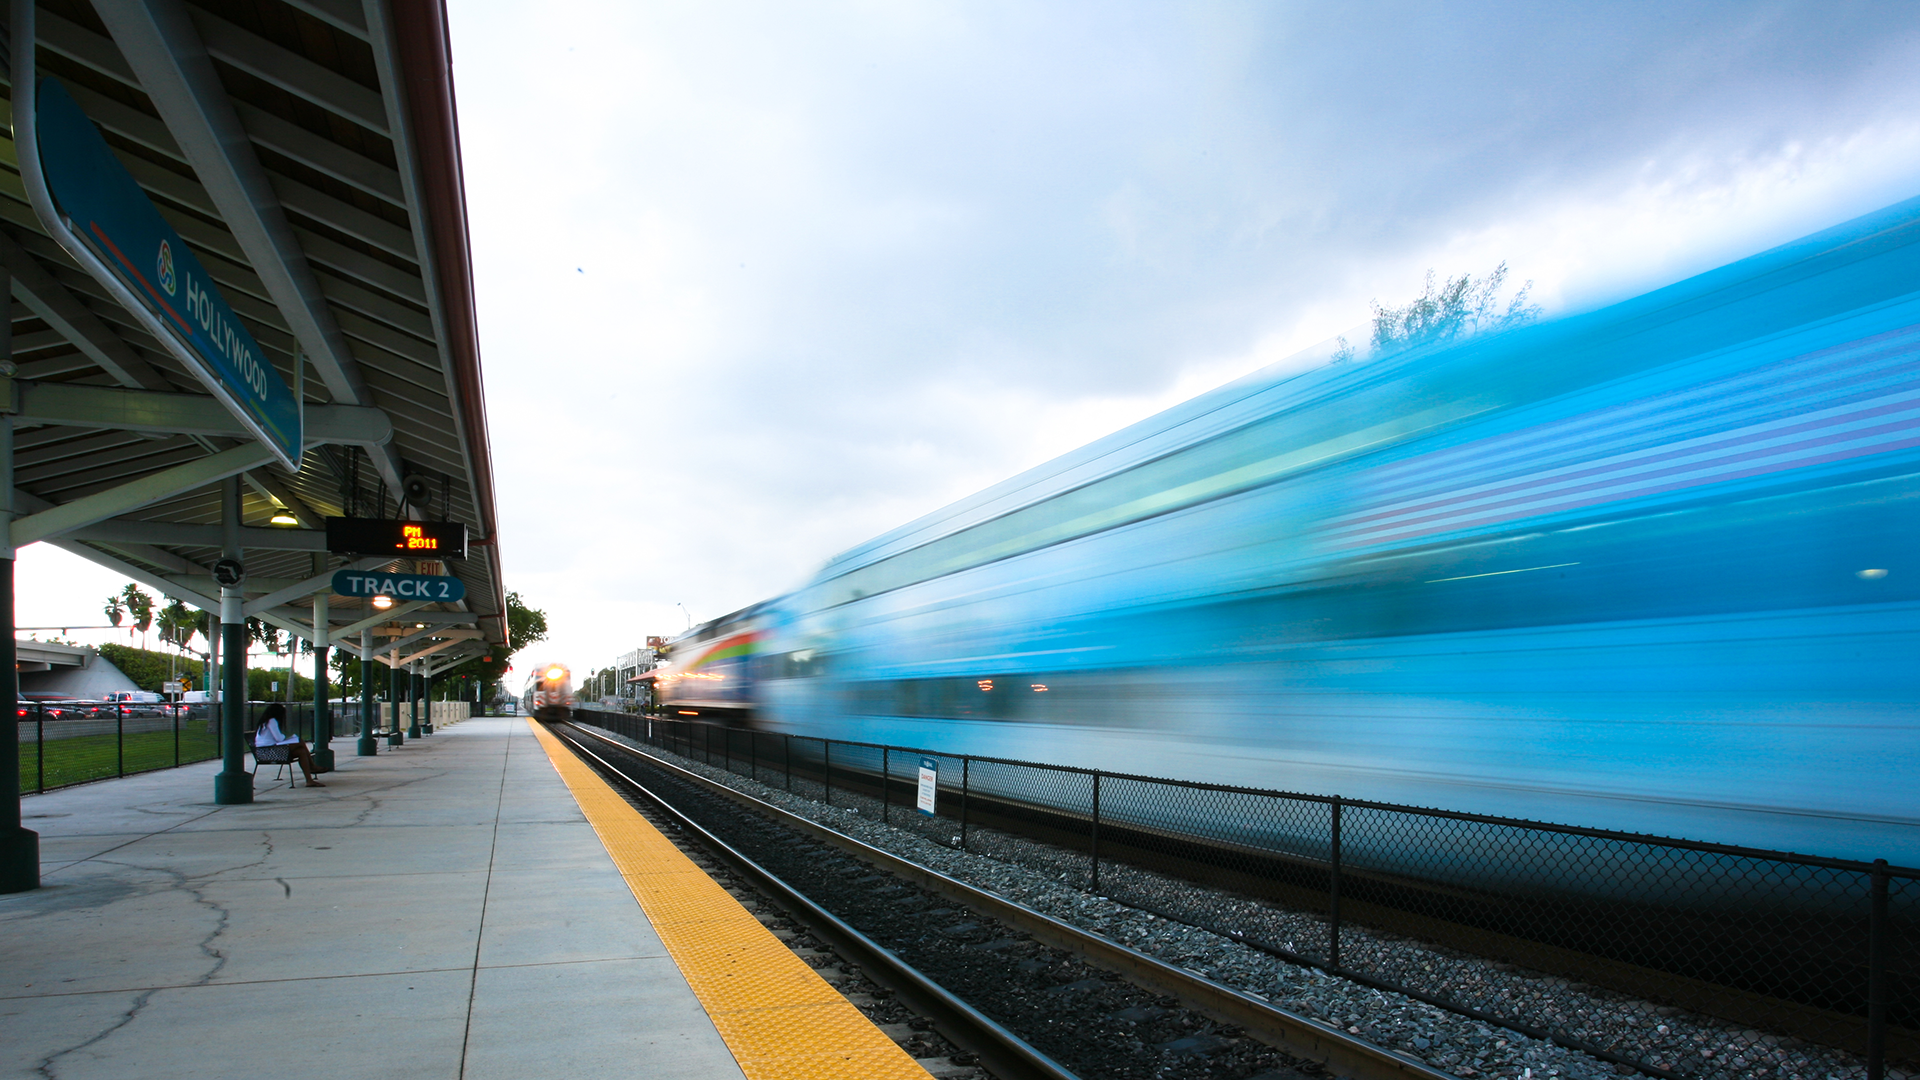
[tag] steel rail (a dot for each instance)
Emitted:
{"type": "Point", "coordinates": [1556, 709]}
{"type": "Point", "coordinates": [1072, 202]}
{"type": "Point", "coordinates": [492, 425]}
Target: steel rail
{"type": "Point", "coordinates": [1005, 1054]}
{"type": "Point", "coordinates": [1301, 1036]}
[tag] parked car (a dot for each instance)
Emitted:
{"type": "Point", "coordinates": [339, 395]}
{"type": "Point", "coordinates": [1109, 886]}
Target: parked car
{"type": "Point", "coordinates": [55, 708]}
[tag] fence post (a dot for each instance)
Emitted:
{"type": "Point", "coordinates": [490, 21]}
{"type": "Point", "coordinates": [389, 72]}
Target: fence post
{"type": "Point", "coordinates": [726, 748]}
{"type": "Point", "coordinates": [826, 767]}
{"type": "Point", "coordinates": [1333, 893]}
{"type": "Point", "coordinates": [786, 758]}
{"type": "Point", "coordinates": [753, 755]}
{"type": "Point", "coordinates": [40, 751]}
{"type": "Point", "coordinates": [175, 713]}
{"type": "Point", "coordinates": [966, 767]}
{"type": "Point", "coordinates": [119, 739]}
{"type": "Point", "coordinates": [886, 792]}
{"type": "Point", "coordinates": [1094, 846]}
{"type": "Point", "coordinates": [1877, 975]}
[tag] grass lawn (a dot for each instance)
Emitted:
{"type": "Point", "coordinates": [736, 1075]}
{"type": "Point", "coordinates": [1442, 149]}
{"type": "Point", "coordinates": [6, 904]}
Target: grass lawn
{"type": "Point", "coordinates": [93, 757]}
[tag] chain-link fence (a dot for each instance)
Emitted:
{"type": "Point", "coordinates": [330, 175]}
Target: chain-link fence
{"type": "Point", "coordinates": [72, 742]}
{"type": "Point", "coordinates": [1674, 958]}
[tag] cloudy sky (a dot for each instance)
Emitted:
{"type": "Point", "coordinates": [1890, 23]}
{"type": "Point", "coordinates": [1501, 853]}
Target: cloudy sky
{"type": "Point", "coordinates": [760, 281]}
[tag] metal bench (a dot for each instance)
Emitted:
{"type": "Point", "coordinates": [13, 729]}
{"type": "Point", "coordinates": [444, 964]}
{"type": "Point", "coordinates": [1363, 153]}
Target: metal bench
{"type": "Point", "coordinates": [281, 755]}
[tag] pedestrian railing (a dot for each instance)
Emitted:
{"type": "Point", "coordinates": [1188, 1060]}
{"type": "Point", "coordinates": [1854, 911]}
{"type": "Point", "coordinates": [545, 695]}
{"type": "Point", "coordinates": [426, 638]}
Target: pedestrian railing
{"type": "Point", "coordinates": [1672, 957]}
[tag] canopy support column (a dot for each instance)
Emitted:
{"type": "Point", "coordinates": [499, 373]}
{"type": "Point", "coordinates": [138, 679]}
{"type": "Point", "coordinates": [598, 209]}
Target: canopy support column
{"type": "Point", "coordinates": [366, 747]}
{"type": "Point", "coordinates": [234, 784]}
{"type": "Point", "coordinates": [413, 700]}
{"type": "Point", "coordinates": [322, 696]}
{"type": "Point", "coordinates": [395, 737]}
{"type": "Point", "coordinates": [19, 848]}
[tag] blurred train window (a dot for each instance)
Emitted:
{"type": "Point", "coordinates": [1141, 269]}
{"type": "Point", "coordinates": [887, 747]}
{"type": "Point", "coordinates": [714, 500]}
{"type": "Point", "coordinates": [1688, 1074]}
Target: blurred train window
{"type": "Point", "coordinates": [1248, 457]}
{"type": "Point", "coordinates": [798, 664]}
{"type": "Point", "coordinates": [967, 697]}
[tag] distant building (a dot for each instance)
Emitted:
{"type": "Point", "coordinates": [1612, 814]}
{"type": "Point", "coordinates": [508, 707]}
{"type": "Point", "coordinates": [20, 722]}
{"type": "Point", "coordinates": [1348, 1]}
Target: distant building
{"type": "Point", "coordinates": [632, 665]}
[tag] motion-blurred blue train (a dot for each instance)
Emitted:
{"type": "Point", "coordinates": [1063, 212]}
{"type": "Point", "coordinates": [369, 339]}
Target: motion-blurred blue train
{"type": "Point", "coordinates": [1648, 568]}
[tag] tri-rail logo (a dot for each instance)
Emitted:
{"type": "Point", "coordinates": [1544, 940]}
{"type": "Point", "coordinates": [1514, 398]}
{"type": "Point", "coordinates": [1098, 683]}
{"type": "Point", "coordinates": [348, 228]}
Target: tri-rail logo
{"type": "Point", "coordinates": [164, 269]}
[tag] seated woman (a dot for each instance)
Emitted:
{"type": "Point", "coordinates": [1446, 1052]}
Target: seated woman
{"type": "Point", "coordinates": [269, 734]}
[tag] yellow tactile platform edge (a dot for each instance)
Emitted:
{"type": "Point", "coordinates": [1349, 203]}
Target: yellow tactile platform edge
{"type": "Point", "coordinates": [780, 1019]}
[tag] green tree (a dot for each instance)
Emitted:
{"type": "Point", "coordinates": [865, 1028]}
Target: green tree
{"type": "Point", "coordinates": [525, 626]}
{"type": "Point", "coordinates": [178, 623]}
{"type": "Point", "coordinates": [140, 606]}
{"type": "Point", "coordinates": [149, 670]}
{"type": "Point", "coordinates": [1453, 308]}
{"type": "Point", "coordinates": [116, 609]}
{"type": "Point", "coordinates": [260, 685]}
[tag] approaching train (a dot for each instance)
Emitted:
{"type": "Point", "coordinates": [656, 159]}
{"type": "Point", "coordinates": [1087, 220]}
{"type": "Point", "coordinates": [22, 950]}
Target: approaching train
{"type": "Point", "coordinates": [549, 693]}
{"type": "Point", "coordinates": [1648, 568]}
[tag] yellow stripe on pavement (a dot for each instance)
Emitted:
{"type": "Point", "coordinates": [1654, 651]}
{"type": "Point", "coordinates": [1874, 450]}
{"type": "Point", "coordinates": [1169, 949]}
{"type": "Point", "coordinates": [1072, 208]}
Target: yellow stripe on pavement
{"type": "Point", "coordinates": [779, 1017]}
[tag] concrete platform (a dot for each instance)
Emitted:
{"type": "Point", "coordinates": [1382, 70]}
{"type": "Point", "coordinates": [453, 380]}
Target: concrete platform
{"type": "Point", "coordinates": [442, 910]}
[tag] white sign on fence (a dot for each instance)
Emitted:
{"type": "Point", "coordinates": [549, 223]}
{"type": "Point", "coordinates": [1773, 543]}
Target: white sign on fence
{"type": "Point", "coordinates": [171, 688]}
{"type": "Point", "coordinates": [929, 784]}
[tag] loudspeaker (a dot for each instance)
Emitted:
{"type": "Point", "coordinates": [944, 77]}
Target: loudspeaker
{"type": "Point", "coordinates": [418, 491]}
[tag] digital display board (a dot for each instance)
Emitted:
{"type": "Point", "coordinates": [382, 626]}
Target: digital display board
{"type": "Point", "coordinates": [378, 536]}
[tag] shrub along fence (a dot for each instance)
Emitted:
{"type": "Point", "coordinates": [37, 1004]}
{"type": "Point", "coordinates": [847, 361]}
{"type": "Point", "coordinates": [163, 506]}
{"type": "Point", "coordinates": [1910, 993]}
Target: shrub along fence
{"type": "Point", "coordinates": [1770, 950]}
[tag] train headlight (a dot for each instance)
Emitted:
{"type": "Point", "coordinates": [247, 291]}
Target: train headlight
{"type": "Point", "coordinates": [555, 674]}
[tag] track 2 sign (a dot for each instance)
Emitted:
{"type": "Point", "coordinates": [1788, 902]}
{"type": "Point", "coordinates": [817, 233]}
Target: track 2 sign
{"type": "Point", "coordinates": [432, 588]}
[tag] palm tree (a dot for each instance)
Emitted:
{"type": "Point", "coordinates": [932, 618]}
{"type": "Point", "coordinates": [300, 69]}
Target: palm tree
{"type": "Point", "coordinates": [115, 608]}
{"type": "Point", "coordinates": [140, 605]}
{"type": "Point", "coordinates": [177, 626]}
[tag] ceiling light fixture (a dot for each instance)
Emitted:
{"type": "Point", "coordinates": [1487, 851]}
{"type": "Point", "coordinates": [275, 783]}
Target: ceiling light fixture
{"type": "Point", "coordinates": [284, 517]}
{"type": "Point", "coordinates": [382, 602]}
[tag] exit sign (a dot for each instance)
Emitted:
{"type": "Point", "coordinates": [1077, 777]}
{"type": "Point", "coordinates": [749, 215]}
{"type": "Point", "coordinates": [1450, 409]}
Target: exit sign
{"type": "Point", "coordinates": [416, 539]}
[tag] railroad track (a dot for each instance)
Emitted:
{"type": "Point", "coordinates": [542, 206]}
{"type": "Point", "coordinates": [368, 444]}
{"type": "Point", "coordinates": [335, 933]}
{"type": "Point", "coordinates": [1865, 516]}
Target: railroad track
{"type": "Point", "coordinates": [1029, 995]}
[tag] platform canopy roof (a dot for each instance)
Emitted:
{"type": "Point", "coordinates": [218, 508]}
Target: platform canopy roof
{"type": "Point", "coordinates": [307, 153]}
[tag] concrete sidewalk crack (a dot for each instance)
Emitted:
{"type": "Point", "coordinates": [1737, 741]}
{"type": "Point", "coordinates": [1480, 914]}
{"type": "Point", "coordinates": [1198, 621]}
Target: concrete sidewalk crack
{"type": "Point", "coordinates": [48, 1066]}
{"type": "Point", "coordinates": [486, 892]}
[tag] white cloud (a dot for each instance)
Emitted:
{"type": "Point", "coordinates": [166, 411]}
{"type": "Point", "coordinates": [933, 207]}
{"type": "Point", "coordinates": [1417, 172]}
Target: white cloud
{"type": "Point", "coordinates": [758, 282]}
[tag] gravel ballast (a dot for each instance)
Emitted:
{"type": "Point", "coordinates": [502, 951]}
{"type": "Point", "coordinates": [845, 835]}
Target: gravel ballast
{"type": "Point", "coordinates": [1050, 880]}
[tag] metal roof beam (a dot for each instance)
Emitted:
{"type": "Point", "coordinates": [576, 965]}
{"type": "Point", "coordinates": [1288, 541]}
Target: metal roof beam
{"type": "Point", "coordinates": [61, 310]}
{"type": "Point", "coordinates": [73, 405]}
{"type": "Point", "coordinates": [285, 69]}
{"type": "Point", "coordinates": [166, 585]}
{"type": "Point", "coordinates": [166, 560]}
{"type": "Point", "coordinates": [429, 651]}
{"type": "Point", "coordinates": [299, 589]}
{"type": "Point", "coordinates": [434, 618]}
{"type": "Point", "coordinates": [454, 659]}
{"type": "Point", "coordinates": [208, 584]}
{"type": "Point", "coordinates": [128, 530]}
{"type": "Point", "coordinates": [27, 500]}
{"type": "Point", "coordinates": [133, 495]}
{"type": "Point", "coordinates": [269, 486]}
{"type": "Point", "coordinates": [339, 14]}
{"type": "Point", "coordinates": [418, 635]}
{"type": "Point", "coordinates": [386, 616]}
{"type": "Point", "coordinates": [290, 140]}
{"type": "Point", "coordinates": [388, 655]}
{"type": "Point", "coordinates": [160, 41]}
{"type": "Point", "coordinates": [83, 46]}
